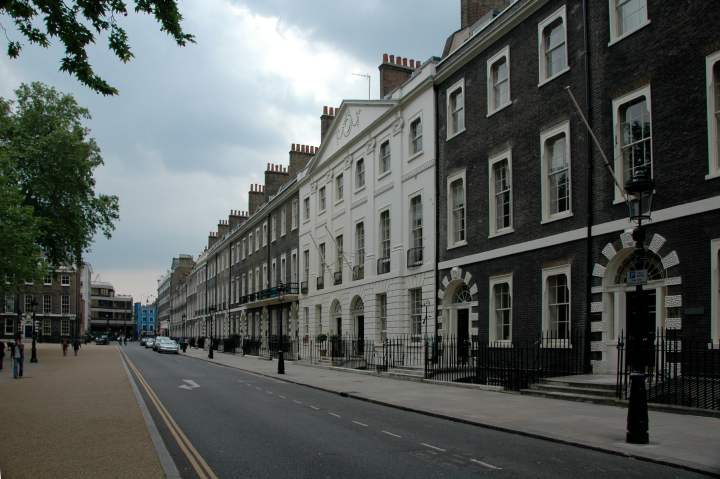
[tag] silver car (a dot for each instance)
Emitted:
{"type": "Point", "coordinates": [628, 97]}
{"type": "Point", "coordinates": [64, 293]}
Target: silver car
{"type": "Point", "coordinates": [149, 342]}
{"type": "Point", "coordinates": [167, 345]}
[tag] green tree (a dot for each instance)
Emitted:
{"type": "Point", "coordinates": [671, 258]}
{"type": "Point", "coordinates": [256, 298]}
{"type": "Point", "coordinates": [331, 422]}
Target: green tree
{"type": "Point", "coordinates": [48, 190]}
{"type": "Point", "coordinates": [76, 23]}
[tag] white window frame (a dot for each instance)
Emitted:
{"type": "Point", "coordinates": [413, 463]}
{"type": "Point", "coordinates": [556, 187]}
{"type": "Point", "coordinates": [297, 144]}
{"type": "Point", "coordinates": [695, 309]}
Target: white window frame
{"type": "Point", "coordinates": [273, 273]}
{"type": "Point", "coordinates": [65, 279]}
{"type": "Point", "coordinates": [547, 273]}
{"type": "Point", "coordinates": [306, 266]}
{"type": "Point", "coordinates": [450, 216]}
{"type": "Point", "coordinates": [339, 188]}
{"type": "Point", "coordinates": [413, 228]}
{"type": "Point", "coordinates": [383, 173]}
{"type": "Point", "coordinates": [283, 269]}
{"type": "Point", "coordinates": [294, 266]}
{"type": "Point", "coordinates": [460, 84]}
{"type": "Point", "coordinates": [257, 240]}
{"type": "Point", "coordinates": [359, 259]}
{"type": "Point", "coordinates": [65, 298]}
{"type": "Point", "coordinates": [264, 235]}
{"type": "Point", "coordinates": [505, 155]}
{"type": "Point", "coordinates": [322, 265]}
{"type": "Point", "coordinates": [503, 53]}
{"type": "Point", "coordinates": [561, 129]}
{"type": "Point", "coordinates": [619, 165]}
{"type": "Point", "coordinates": [294, 214]}
{"type": "Point", "coordinates": [45, 279]}
{"type": "Point", "coordinates": [339, 252]}
{"type": "Point", "coordinates": [415, 308]}
{"type": "Point", "coordinates": [492, 320]}
{"type": "Point", "coordinates": [715, 291]}
{"type": "Point", "coordinates": [265, 279]}
{"type": "Point", "coordinates": [64, 327]}
{"type": "Point", "coordinates": [543, 78]}
{"type": "Point", "coordinates": [381, 300]}
{"type": "Point", "coordinates": [381, 240]}
{"type": "Point", "coordinates": [273, 227]}
{"type": "Point", "coordinates": [47, 304]}
{"type": "Point", "coordinates": [243, 248]}
{"type": "Point", "coordinates": [283, 221]}
{"type": "Point", "coordinates": [413, 137]}
{"type": "Point", "coordinates": [47, 327]}
{"type": "Point", "coordinates": [9, 326]}
{"type": "Point", "coordinates": [360, 174]}
{"type": "Point", "coordinates": [306, 209]}
{"type": "Point", "coordinates": [614, 35]}
{"type": "Point", "coordinates": [322, 199]}
{"type": "Point", "coordinates": [9, 303]}
{"type": "Point", "coordinates": [713, 103]}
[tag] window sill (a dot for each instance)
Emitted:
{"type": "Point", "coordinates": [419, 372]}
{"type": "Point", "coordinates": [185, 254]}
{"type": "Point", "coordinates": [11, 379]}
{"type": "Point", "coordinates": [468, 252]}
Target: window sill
{"type": "Point", "coordinates": [499, 109]}
{"type": "Point", "coordinates": [713, 175]}
{"type": "Point", "coordinates": [622, 37]}
{"type": "Point", "coordinates": [558, 74]}
{"type": "Point", "coordinates": [384, 175]}
{"type": "Point", "coordinates": [457, 245]}
{"type": "Point", "coordinates": [322, 212]}
{"type": "Point", "coordinates": [450, 137]}
{"type": "Point", "coordinates": [557, 217]}
{"type": "Point", "coordinates": [339, 202]}
{"type": "Point", "coordinates": [359, 190]}
{"type": "Point", "coordinates": [415, 155]}
{"type": "Point", "coordinates": [501, 232]}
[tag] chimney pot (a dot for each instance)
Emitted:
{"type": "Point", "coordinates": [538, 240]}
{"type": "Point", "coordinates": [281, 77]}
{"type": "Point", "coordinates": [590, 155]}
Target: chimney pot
{"type": "Point", "coordinates": [404, 62]}
{"type": "Point", "coordinates": [392, 58]}
{"type": "Point", "coordinates": [325, 110]}
{"type": "Point", "coordinates": [385, 57]}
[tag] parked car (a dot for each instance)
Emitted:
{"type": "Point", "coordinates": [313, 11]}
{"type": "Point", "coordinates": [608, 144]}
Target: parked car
{"type": "Point", "coordinates": [157, 342]}
{"type": "Point", "coordinates": [167, 345]}
{"type": "Point", "coordinates": [149, 342]}
{"type": "Point", "coordinates": [102, 340]}
{"type": "Point", "coordinates": [142, 341]}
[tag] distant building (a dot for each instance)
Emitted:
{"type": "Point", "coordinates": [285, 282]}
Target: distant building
{"type": "Point", "coordinates": [168, 294]}
{"type": "Point", "coordinates": [110, 313]}
{"type": "Point", "coordinates": [55, 303]}
{"type": "Point", "coordinates": [145, 316]}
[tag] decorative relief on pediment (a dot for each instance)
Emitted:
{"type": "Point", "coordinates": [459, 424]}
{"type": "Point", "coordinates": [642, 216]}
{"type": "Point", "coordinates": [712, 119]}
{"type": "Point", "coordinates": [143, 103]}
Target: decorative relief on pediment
{"type": "Point", "coordinates": [348, 123]}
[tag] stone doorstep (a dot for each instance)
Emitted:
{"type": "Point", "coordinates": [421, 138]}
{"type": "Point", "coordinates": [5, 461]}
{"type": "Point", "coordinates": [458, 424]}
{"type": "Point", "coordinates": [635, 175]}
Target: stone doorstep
{"type": "Point", "coordinates": [592, 391]}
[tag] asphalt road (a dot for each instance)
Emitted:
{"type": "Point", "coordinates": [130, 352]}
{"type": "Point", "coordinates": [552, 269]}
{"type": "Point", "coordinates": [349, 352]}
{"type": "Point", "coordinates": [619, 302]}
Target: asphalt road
{"type": "Point", "coordinates": [251, 426]}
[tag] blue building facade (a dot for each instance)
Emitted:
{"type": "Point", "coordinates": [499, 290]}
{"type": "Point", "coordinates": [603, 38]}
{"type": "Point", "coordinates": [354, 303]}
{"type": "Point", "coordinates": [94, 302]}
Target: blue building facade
{"type": "Point", "coordinates": [145, 315]}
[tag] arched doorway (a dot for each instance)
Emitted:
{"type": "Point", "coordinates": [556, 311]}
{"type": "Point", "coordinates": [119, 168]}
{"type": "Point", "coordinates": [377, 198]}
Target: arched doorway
{"type": "Point", "coordinates": [336, 318]}
{"type": "Point", "coordinates": [357, 312]}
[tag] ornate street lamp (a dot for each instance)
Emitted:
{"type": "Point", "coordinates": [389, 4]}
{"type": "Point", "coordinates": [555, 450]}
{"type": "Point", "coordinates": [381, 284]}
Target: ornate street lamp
{"type": "Point", "coordinates": [212, 321]}
{"type": "Point", "coordinates": [639, 189]}
{"type": "Point", "coordinates": [33, 356]}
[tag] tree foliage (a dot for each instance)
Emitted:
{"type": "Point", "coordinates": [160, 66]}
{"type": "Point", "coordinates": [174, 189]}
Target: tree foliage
{"type": "Point", "coordinates": [48, 192]}
{"type": "Point", "coordinates": [77, 22]}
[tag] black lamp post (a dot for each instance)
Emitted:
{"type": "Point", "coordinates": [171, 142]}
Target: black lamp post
{"type": "Point", "coordinates": [640, 191]}
{"type": "Point", "coordinates": [33, 356]}
{"type": "Point", "coordinates": [281, 355]}
{"type": "Point", "coordinates": [212, 320]}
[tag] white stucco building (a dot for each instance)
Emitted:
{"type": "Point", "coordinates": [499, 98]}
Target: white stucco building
{"type": "Point", "coordinates": [367, 209]}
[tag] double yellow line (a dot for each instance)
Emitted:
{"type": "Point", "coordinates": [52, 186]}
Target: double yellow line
{"type": "Point", "coordinates": [202, 469]}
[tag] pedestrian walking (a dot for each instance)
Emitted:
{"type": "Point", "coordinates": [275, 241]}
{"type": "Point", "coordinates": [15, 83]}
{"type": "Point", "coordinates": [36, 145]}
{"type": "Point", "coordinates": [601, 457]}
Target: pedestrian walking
{"type": "Point", "coordinates": [124, 340]}
{"type": "Point", "coordinates": [65, 347]}
{"type": "Point", "coordinates": [18, 358]}
{"type": "Point", "coordinates": [2, 354]}
{"type": "Point", "coordinates": [76, 346]}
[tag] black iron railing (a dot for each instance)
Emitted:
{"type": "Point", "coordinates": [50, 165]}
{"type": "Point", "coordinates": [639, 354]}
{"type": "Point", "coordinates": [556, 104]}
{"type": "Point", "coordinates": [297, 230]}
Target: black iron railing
{"type": "Point", "coordinates": [337, 277]}
{"type": "Point", "coordinates": [513, 365]}
{"type": "Point", "coordinates": [275, 292]}
{"type": "Point", "coordinates": [415, 256]}
{"type": "Point", "coordinates": [383, 265]}
{"type": "Point", "coordinates": [320, 282]}
{"type": "Point", "coordinates": [679, 371]}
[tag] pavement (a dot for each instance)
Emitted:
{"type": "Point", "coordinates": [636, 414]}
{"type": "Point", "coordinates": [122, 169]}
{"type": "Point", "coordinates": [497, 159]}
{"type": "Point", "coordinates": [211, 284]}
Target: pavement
{"type": "Point", "coordinates": [692, 442]}
{"type": "Point", "coordinates": [73, 417]}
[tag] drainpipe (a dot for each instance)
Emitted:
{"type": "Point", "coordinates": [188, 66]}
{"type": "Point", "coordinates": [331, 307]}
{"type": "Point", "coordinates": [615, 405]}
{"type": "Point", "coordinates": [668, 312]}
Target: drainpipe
{"type": "Point", "coordinates": [589, 187]}
{"type": "Point", "coordinates": [437, 212]}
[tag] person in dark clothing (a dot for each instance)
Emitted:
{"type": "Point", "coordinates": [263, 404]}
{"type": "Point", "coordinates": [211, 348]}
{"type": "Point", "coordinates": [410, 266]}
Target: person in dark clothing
{"type": "Point", "coordinates": [2, 354]}
{"type": "Point", "coordinates": [76, 346]}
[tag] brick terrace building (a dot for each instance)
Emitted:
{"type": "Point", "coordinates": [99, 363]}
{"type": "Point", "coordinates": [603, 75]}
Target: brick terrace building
{"type": "Point", "coordinates": [545, 246]}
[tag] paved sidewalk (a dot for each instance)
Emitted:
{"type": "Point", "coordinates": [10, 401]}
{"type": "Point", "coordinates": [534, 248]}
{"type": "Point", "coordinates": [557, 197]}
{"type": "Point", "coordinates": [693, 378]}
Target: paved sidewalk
{"type": "Point", "coordinates": [689, 441]}
{"type": "Point", "coordinates": [73, 417]}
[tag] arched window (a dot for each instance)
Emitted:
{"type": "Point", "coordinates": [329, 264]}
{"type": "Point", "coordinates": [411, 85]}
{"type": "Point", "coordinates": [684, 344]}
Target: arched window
{"type": "Point", "coordinates": [462, 295]}
{"type": "Point", "coordinates": [649, 262]}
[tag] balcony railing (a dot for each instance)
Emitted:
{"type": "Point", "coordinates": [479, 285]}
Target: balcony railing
{"type": "Point", "coordinates": [337, 277]}
{"type": "Point", "coordinates": [304, 287]}
{"type": "Point", "coordinates": [276, 291]}
{"type": "Point", "coordinates": [383, 265]}
{"type": "Point", "coordinates": [320, 282]}
{"type": "Point", "coordinates": [358, 272]}
{"type": "Point", "coordinates": [415, 256]}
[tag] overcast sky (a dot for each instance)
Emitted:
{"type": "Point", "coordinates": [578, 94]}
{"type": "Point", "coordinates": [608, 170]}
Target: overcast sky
{"type": "Point", "coordinates": [193, 127]}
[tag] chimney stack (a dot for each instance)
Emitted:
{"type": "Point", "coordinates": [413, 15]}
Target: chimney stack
{"type": "Point", "coordinates": [275, 177]}
{"type": "Point", "coordinates": [394, 71]}
{"type": "Point", "coordinates": [212, 239]}
{"type": "Point", "coordinates": [236, 218]}
{"type": "Point", "coordinates": [300, 156]}
{"type": "Point", "coordinates": [223, 228]}
{"type": "Point", "coordinates": [256, 198]}
{"type": "Point", "coordinates": [473, 10]}
{"type": "Point", "coordinates": [326, 120]}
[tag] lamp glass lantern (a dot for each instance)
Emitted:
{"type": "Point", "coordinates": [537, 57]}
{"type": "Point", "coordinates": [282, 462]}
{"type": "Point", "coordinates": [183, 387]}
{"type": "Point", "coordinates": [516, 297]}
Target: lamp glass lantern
{"type": "Point", "coordinates": [640, 189]}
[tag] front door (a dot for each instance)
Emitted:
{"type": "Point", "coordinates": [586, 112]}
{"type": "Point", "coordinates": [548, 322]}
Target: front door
{"type": "Point", "coordinates": [28, 330]}
{"type": "Point", "coordinates": [360, 320]}
{"type": "Point", "coordinates": [463, 334]}
{"type": "Point", "coordinates": [640, 310]}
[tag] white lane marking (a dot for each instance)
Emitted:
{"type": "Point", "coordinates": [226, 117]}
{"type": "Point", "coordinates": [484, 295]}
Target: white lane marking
{"type": "Point", "coordinates": [248, 385]}
{"type": "Point", "coordinates": [391, 434]}
{"type": "Point", "coordinates": [189, 385]}
{"type": "Point", "coordinates": [315, 408]}
{"type": "Point", "coordinates": [258, 388]}
{"type": "Point", "coordinates": [360, 423]}
{"type": "Point", "coordinates": [489, 466]}
{"type": "Point", "coordinates": [269, 392]}
{"type": "Point", "coordinates": [281, 396]}
{"type": "Point", "coordinates": [296, 401]}
{"type": "Point", "coordinates": [433, 447]}
{"type": "Point", "coordinates": [333, 414]}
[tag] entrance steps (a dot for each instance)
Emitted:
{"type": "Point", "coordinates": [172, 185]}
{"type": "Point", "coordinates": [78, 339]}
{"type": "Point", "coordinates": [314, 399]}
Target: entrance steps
{"type": "Point", "coordinates": [599, 390]}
